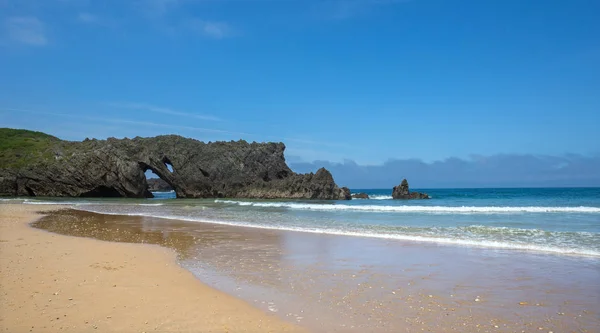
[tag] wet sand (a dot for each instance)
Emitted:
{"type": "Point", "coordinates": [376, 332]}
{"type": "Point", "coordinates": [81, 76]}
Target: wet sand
{"type": "Point", "coordinates": [54, 283]}
{"type": "Point", "coordinates": [351, 284]}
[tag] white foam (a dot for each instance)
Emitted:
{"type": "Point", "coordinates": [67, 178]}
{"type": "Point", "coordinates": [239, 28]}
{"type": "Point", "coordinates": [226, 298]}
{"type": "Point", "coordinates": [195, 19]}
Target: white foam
{"type": "Point", "coordinates": [380, 197]}
{"type": "Point", "coordinates": [374, 197]}
{"type": "Point", "coordinates": [370, 234]}
{"type": "Point", "coordinates": [415, 209]}
{"type": "Point", "coordinates": [65, 203]}
{"type": "Point", "coordinates": [85, 203]}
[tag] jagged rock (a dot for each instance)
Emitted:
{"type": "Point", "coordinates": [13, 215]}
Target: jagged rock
{"type": "Point", "coordinates": [402, 192]}
{"type": "Point", "coordinates": [345, 194]}
{"type": "Point", "coordinates": [116, 167]}
{"type": "Point", "coordinates": [360, 196]}
{"type": "Point", "coordinates": [158, 185]}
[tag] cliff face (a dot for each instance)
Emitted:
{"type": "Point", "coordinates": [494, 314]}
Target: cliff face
{"type": "Point", "coordinates": [115, 168]}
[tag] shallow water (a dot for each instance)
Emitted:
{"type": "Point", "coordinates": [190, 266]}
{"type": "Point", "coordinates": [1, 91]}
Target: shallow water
{"type": "Point", "coordinates": [560, 221]}
{"type": "Point", "coordinates": [332, 283]}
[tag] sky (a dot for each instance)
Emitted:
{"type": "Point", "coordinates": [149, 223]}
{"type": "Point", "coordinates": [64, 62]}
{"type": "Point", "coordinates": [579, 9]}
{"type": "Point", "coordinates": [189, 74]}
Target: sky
{"type": "Point", "coordinates": [353, 85]}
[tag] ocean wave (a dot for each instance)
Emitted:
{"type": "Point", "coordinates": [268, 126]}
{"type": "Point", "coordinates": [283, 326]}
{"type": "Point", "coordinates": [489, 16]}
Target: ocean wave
{"type": "Point", "coordinates": [65, 203]}
{"type": "Point", "coordinates": [415, 209]}
{"type": "Point", "coordinates": [11, 200]}
{"type": "Point", "coordinates": [565, 249]}
{"type": "Point", "coordinates": [380, 197]}
{"type": "Point", "coordinates": [374, 196]}
{"type": "Point", "coordinates": [85, 203]}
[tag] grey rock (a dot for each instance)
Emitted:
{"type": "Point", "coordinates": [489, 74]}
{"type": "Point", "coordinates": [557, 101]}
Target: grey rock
{"type": "Point", "coordinates": [402, 192]}
{"type": "Point", "coordinates": [345, 194]}
{"type": "Point", "coordinates": [158, 185]}
{"type": "Point", "coordinates": [116, 167]}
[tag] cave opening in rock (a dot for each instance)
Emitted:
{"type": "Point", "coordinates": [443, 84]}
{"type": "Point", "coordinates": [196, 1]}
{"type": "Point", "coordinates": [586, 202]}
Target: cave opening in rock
{"type": "Point", "coordinates": [168, 164]}
{"type": "Point", "coordinates": [30, 192]}
{"type": "Point", "coordinates": [155, 183]}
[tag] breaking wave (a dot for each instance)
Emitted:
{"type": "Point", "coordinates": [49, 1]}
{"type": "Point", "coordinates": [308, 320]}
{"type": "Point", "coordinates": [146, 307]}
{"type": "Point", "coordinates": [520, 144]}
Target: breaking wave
{"type": "Point", "coordinates": [416, 209]}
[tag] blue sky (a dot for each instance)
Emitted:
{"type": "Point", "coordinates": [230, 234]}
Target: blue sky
{"type": "Point", "coordinates": [370, 81]}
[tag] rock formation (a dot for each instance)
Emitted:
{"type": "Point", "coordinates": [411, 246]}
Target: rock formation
{"type": "Point", "coordinates": [402, 192]}
{"type": "Point", "coordinates": [360, 196]}
{"type": "Point", "coordinates": [36, 164]}
{"type": "Point", "coordinates": [344, 194]}
{"type": "Point", "coordinates": [158, 185]}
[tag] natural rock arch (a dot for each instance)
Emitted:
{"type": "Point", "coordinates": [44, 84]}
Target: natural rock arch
{"type": "Point", "coordinates": [116, 167]}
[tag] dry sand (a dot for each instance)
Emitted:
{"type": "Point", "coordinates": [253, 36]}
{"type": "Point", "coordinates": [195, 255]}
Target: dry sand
{"type": "Point", "coordinates": [54, 283]}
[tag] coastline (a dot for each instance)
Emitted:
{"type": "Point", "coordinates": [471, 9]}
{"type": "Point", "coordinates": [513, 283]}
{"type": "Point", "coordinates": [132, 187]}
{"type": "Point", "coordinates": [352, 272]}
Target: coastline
{"type": "Point", "coordinates": [52, 282]}
{"type": "Point", "coordinates": [333, 283]}
{"type": "Point", "coordinates": [322, 282]}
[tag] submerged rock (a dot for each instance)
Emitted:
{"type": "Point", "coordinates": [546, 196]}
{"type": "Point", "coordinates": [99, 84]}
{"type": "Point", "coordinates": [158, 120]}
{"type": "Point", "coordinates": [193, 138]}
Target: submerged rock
{"type": "Point", "coordinates": [360, 196]}
{"type": "Point", "coordinates": [402, 192]}
{"type": "Point", "coordinates": [116, 167]}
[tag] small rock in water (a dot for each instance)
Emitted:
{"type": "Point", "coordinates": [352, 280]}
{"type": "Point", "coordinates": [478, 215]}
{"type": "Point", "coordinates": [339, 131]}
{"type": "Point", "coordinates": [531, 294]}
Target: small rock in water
{"type": "Point", "coordinates": [523, 303]}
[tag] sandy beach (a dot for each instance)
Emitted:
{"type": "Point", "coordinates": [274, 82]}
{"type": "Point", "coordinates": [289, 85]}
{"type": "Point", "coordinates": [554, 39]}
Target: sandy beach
{"type": "Point", "coordinates": [187, 276]}
{"type": "Point", "coordinates": [52, 283]}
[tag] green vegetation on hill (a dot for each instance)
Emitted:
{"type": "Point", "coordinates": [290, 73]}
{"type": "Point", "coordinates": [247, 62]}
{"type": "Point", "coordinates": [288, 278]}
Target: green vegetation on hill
{"type": "Point", "coordinates": [19, 147]}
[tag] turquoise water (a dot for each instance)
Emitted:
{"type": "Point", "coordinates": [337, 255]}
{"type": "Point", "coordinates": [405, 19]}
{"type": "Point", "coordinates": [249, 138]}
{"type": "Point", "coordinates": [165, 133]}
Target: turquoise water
{"type": "Point", "coordinates": [555, 220]}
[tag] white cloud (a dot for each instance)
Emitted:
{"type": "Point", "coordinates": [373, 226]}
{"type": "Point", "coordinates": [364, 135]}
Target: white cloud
{"type": "Point", "coordinates": [26, 30]}
{"type": "Point", "coordinates": [501, 170]}
{"type": "Point", "coordinates": [211, 29]}
{"type": "Point", "coordinates": [127, 122]}
{"type": "Point", "coordinates": [159, 109]}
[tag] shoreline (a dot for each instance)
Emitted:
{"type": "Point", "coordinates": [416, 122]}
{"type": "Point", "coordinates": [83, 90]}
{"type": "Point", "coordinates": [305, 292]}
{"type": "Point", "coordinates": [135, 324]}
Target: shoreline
{"type": "Point", "coordinates": [52, 282]}
{"type": "Point", "coordinates": [438, 241]}
{"type": "Point", "coordinates": [352, 284]}
{"type": "Point", "coordinates": [453, 229]}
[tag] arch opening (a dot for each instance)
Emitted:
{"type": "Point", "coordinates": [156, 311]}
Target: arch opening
{"type": "Point", "coordinates": [158, 186]}
{"type": "Point", "coordinates": [168, 164]}
{"type": "Point", "coordinates": [30, 192]}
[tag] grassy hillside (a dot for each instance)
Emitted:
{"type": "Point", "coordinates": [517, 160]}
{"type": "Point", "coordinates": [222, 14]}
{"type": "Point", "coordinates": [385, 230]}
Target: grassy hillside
{"type": "Point", "coordinates": [21, 147]}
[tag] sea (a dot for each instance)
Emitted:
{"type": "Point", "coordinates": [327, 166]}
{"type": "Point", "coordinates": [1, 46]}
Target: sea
{"type": "Point", "coordinates": [559, 221]}
{"type": "Point", "coordinates": [466, 260]}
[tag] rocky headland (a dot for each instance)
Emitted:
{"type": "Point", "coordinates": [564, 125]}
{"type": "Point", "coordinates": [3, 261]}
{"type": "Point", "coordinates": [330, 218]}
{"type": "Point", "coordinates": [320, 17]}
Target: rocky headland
{"type": "Point", "coordinates": [38, 164]}
{"type": "Point", "coordinates": [402, 192]}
